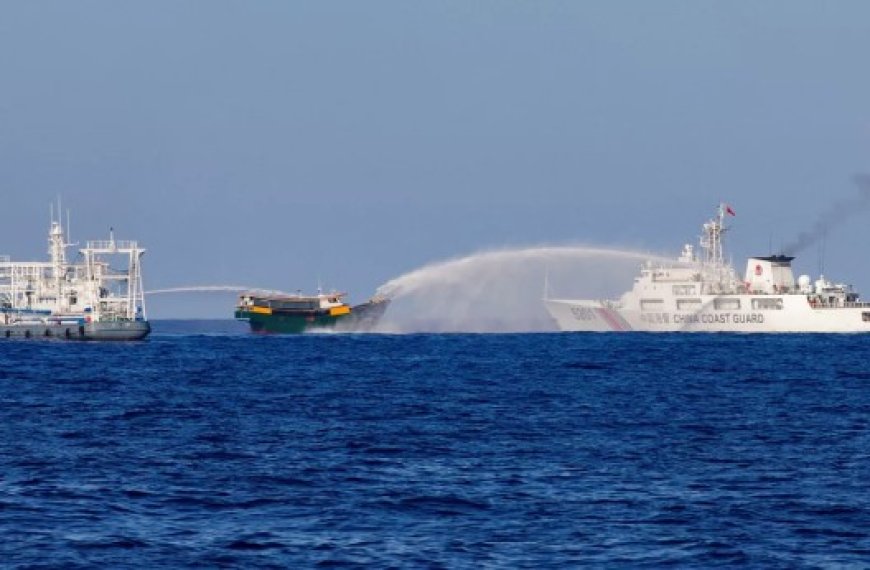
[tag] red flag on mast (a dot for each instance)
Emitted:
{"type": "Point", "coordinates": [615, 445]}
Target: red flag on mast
{"type": "Point", "coordinates": [730, 210]}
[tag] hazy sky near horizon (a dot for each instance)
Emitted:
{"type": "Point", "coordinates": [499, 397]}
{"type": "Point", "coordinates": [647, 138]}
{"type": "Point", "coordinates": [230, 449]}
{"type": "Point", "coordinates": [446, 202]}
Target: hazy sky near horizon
{"type": "Point", "coordinates": [278, 143]}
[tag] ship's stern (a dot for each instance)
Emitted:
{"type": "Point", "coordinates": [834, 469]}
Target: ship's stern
{"type": "Point", "coordinates": [115, 330]}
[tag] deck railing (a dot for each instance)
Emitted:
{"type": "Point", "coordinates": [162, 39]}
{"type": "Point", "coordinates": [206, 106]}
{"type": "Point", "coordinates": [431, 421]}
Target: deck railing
{"type": "Point", "coordinates": [112, 245]}
{"type": "Point", "coordinates": [841, 306]}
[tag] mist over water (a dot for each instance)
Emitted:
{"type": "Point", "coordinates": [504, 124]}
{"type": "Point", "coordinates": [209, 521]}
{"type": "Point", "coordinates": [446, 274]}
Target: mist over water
{"type": "Point", "coordinates": [502, 290]}
{"type": "Point", "coordinates": [489, 291]}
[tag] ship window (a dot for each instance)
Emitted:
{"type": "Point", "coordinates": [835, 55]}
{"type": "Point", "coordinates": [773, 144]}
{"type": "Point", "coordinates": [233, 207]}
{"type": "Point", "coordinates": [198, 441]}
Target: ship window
{"type": "Point", "coordinates": [684, 289]}
{"type": "Point", "coordinates": [688, 304]}
{"type": "Point", "coordinates": [293, 305]}
{"type": "Point", "coordinates": [727, 304]}
{"type": "Point", "coordinates": [651, 304]}
{"type": "Point", "coordinates": [767, 304]}
{"type": "Point", "coordinates": [866, 316]}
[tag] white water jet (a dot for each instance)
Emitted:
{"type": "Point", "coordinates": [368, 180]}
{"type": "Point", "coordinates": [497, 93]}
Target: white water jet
{"type": "Point", "coordinates": [502, 290]}
{"type": "Point", "coordinates": [212, 289]}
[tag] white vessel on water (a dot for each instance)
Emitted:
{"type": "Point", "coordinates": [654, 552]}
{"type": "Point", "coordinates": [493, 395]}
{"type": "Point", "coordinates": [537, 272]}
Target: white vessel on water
{"type": "Point", "coordinates": [706, 295]}
{"type": "Point", "coordinates": [89, 299]}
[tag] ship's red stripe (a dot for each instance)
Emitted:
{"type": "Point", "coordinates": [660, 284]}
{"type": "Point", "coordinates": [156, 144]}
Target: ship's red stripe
{"type": "Point", "coordinates": [613, 320]}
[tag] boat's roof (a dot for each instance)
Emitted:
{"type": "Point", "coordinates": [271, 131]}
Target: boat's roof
{"type": "Point", "coordinates": [291, 296]}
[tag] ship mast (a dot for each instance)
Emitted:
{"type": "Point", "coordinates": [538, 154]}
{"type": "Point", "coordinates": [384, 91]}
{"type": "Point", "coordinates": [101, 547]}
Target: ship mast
{"type": "Point", "coordinates": [57, 245]}
{"type": "Point", "coordinates": [711, 239]}
{"type": "Point", "coordinates": [720, 276]}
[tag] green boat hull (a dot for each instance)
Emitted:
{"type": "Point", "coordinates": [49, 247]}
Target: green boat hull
{"type": "Point", "coordinates": [287, 324]}
{"type": "Point", "coordinates": [360, 318]}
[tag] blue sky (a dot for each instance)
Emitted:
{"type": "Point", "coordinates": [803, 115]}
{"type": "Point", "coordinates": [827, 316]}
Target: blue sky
{"type": "Point", "coordinates": [280, 143]}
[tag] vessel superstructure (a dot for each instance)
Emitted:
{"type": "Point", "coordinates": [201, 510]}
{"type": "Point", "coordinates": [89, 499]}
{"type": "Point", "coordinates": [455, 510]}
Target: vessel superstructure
{"type": "Point", "coordinates": [705, 293]}
{"type": "Point", "coordinates": [97, 296]}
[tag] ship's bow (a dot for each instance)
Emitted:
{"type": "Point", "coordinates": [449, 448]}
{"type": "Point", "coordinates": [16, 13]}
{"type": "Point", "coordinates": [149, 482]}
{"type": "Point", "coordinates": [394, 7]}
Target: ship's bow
{"type": "Point", "coordinates": [586, 316]}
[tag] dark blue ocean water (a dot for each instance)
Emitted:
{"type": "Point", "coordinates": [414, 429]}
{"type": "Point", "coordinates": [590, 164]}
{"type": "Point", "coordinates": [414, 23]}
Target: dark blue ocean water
{"type": "Point", "coordinates": [517, 451]}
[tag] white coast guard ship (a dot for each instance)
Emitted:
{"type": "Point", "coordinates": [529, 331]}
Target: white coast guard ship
{"type": "Point", "coordinates": [90, 299]}
{"type": "Point", "coordinates": [706, 295]}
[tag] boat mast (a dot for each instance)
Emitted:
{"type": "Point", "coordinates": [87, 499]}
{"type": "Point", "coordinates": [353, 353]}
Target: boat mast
{"type": "Point", "coordinates": [57, 245]}
{"type": "Point", "coordinates": [711, 239]}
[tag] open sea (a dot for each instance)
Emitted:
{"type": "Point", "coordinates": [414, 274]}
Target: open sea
{"type": "Point", "coordinates": [206, 446]}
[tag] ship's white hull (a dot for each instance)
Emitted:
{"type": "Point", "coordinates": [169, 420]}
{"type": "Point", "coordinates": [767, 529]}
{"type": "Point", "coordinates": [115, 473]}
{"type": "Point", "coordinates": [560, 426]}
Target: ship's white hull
{"type": "Point", "coordinates": [795, 316]}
